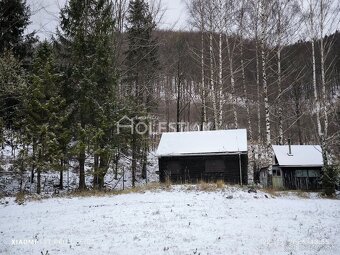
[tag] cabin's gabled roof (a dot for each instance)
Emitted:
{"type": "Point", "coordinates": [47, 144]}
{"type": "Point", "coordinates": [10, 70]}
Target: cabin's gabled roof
{"type": "Point", "coordinates": [233, 141]}
{"type": "Point", "coordinates": [301, 155]}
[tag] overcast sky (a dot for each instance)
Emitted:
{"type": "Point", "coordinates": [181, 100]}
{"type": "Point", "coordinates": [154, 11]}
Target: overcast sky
{"type": "Point", "coordinates": [45, 15]}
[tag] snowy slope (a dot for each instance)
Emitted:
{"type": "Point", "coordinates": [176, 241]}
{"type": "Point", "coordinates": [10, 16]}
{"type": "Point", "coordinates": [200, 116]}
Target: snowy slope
{"type": "Point", "coordinates": [172, 222]}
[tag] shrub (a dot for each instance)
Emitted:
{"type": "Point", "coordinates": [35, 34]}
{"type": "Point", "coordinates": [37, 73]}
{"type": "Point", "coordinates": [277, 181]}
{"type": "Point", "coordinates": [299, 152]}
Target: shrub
{"type": "Point", "coordinates": [220, 184]}
{"type": "Point", "coordinates": [330, 179]}
{"type": "Point", "coordinates": [210, 186]}
{"type": "Point", "coordinates": [167, 183]}
{"type": "Point", "coordinates": [204, 186]}
{"type": "Point", "coordinates": [20, 198]}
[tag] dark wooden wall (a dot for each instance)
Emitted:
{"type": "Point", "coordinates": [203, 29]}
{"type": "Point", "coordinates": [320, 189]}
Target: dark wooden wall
{"type": "Point", "coordinates": [290, 181]}
{"type": "Point", "coordinates": [193, 169]}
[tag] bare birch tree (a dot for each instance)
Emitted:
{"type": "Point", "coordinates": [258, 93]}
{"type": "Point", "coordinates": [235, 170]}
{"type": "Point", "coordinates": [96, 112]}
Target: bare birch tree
{"type": "Point", "coordinates": [197, 11]}
{"type": "Point", "coordinates": [265, 13]}
{"type": "Point", "coordinates": [229, 17]}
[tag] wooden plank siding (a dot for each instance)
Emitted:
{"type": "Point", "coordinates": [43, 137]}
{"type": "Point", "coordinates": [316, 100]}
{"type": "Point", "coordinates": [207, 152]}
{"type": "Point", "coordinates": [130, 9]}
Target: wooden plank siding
{"type": "Point", "coordinates": [207, 168]}
{"type": "Point", "coordinates": [291, 181]}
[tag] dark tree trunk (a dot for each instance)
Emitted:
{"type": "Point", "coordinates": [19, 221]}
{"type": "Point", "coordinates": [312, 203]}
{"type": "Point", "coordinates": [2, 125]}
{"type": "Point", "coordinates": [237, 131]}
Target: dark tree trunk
{"type": "Point", "coordinates": [33, 163]}
{"type": "Point", "coordinates": [145, 161]}
{"type": "Point", "coordinates": [38, 181]}
{"type": "Point", "coordinates": [32, 173]}
{"type": "Point", "coordinates": [39, 173]}
{"type": "Point", "coordinates": [299, 129]}
{"type": "Point", "coordinates": [61, 178]}
{"type": "Point", "coordinates": [116, 165]}
{"type": "Point", "coordinates": [96, 171]}
{"type": "Point", "coordinates": [167, 103]}
{"type": "Point", "coordinates": [81, 160]}
{"type": "Point", "coordinates": [134, 165]}
{"type": "Point", "coordinates": [178, 110]}
{"type": "Point", "coordinates": [297, 93]}
{"type": "Point", "coordinates": [103, 165]}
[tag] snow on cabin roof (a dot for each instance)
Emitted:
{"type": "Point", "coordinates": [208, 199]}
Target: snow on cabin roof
{"type": "Point", "coordinates": [301, 155]}
{"type": "Point", "coordinates": [231, 141]}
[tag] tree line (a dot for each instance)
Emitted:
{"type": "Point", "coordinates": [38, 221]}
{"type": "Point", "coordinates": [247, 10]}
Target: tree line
{"type": "Point", "coordinates": [61, 100]}
{"type": "Point", "coordinates": [269, 66]}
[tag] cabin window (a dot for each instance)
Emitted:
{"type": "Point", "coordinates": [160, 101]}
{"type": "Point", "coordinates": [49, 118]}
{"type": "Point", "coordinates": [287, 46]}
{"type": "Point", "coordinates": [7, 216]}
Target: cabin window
{"type": "Point", "coordinates": [214, 165]}
{"type": "Point", "coordinates": [276, 172]}
{"type": "Point", "coordinates": [301, 173]}
{"type": "Point", "coordinates": [307, 173]}
{"type": "Point", "coordinates": [174, 167]}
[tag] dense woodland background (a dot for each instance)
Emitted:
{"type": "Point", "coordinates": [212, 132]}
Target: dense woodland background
{"type": "Point", "coordinates": [272, 67]}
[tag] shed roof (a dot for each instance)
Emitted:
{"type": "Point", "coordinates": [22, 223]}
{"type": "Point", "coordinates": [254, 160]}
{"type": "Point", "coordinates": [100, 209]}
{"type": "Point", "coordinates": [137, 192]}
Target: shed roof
{"type": "Point", "coordinates": [215, 142]}
{"type": "Point", "coordinates": [301, 155]}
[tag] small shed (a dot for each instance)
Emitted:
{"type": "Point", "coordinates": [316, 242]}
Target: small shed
{"type": "Point", "coordinates": [297, 166]}
{"type": "Point", "coordinates": [203, 155]}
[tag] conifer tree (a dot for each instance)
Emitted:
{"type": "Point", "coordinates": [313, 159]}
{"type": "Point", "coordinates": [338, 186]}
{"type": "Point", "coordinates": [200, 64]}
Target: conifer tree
{"type": "Point", "coordinates": [14, 18]}
{"type": "Point", "coordinates": [87, 36]}
{"type": "Point", "coordinates": [43, 112]}
{"type": "Point", "coordinates": [141, 71]}
{"type": "Point", "coordinates": [12, 86]}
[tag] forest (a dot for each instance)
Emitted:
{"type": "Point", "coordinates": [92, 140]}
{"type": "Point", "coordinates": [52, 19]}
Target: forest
{"type": "Point", "coordinates": [270, 66]}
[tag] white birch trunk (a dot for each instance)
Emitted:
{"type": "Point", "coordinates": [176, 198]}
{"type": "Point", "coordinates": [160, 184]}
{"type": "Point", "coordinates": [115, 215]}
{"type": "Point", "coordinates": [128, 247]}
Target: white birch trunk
{"type": "Point", "coordinates": [316, 98]}
{"type": "Point", "coordinates": [212, 84]}
{"type": "Point", "coordinates": [245, 94]}
{"type": "Point", "coordinates": [279, 76]}
{"type": "Point", "coordinates": [232, 83]}
{"type": "Point", "coordinates": [279, 84]}
{"type": "Point", "coordinates": [204, 96]}
{"type": "Point", "coordinates": [258, 94]}
{"type": "Point", "coordinates": [322, 59]}
{"type": "Point", "coordinates": [265, 90]}
{"type": "Point", "coordinates": [220, 85]}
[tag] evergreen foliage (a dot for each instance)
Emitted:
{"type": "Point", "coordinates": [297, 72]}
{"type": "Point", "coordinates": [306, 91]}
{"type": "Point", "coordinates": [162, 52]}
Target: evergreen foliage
{"type": "Point", "coordinates": [14, 18]}
{"type": "Point", "coordinates": [87, 34]}
{"type": "Point", "coordinates": [141, 69]}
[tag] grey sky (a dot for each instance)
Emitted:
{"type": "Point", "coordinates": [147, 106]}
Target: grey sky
{"type": "Point", "coordinates": [45, 15]}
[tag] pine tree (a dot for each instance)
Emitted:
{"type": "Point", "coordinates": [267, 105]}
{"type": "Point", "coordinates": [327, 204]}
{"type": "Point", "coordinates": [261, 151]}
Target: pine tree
{"type": "Point", "coordinates": [142, 57]}
{"type": "Point", "coordinates": [12, 86]}
{"type": "Point", "coordinates": [141, 70]}
{"type": "Point", "coordinates": [43, 112]}
{"type": "Point", "coordinates": [14, 18]}
{"type": "Point", "coordinates": [87, 37]}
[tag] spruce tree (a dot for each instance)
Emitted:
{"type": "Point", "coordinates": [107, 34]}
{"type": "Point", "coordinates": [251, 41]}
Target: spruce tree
{"type": "Point", "coordinates": [12, 86]}
{"type": "Point", "coordinates": [141, 70]}
{"type": "Point", "coordinates": [44, 113]}
{"type": "Point", "coordinates": [142, 56]}
{"type": "Point", "coordinates": [87, 38]}
{"type": "Point", "coordinates": [14, 18]}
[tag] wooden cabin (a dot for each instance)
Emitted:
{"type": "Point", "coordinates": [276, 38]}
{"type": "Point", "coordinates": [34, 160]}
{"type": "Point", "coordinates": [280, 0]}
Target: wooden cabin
{"type": "Point", "coordinates": [186, 157]}
{"type": "Point", "coordinates": [297, 167]}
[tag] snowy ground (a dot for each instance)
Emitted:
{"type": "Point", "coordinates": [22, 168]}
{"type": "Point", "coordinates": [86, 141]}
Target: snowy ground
{"type": "Point", "coordinates": [172, 222]}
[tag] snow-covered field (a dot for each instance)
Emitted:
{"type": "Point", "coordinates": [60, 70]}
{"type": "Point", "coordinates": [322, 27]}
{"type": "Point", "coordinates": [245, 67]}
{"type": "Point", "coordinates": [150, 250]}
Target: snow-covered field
{"type": "Point", "coordinates": [177, 221]}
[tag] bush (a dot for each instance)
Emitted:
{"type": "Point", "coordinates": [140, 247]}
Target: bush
{"type": "Point", "coordinates": [210, 186]}
{"type": "Point", "coordinates": [204, 186]}
{"type": "Point", "coordinates": [220, 184]}
{"type": "Point", "coordinates": [330, 179]}
{"type": "Point", "coordinates": [168, 183]}
{"type": "Point", "coordinates": [20, 198]}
